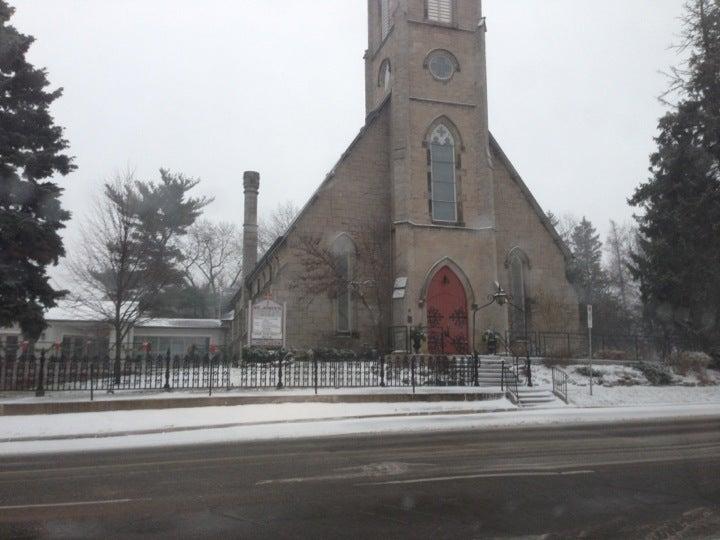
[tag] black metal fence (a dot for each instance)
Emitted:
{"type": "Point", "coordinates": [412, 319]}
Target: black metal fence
{"type": "Point", "coordinates": [41, 373]}
{"type": "Point", "coordinates": [611, 347]}
{"type": "Point", "coordinates": [634, 347]}
{"type": "Point", "coordinates": [394, 371]}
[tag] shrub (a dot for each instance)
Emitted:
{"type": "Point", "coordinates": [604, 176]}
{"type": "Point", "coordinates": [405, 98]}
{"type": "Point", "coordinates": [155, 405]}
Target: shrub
{"type": "Point", "coordinates": [552, 362]}
{"type": "Point", "coordinates": [683, 362]}
{"type": "Point", "coordinates": [656, 374]}
{"type": "Point", "coordinates": [258, 355]}
{"type": "Point", "coordinates": [611, 354]}
{"type": "Point", "coordinates": [585, 372]}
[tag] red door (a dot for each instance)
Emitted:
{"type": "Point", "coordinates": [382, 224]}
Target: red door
{"type": "Point", "coordinates": [447, 314]}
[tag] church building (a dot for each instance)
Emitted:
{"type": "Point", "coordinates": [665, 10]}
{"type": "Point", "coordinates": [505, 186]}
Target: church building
{"type": "Point", "coordinates": [424, 215]}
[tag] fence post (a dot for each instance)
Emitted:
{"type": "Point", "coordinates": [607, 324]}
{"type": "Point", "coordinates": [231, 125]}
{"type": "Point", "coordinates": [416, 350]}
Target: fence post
{"type": "Point", "coordinates": [210, 358]}
{"type": "Point", "coordinates": [529, 369]}
{"type": "Point", "coordinates": [40, 391]}
{"type": "Point", "coordinates": [315, 374]}
{"type": "Point", "coordinates": [167, 371]}
{"type": "Point", "coordinates": [92, 377]}
{"type": "Point", "coordinates": [475, 369]}
{"type": "Point", "coordinates": [280, 361]}
{"type": "Point", "coordinates": [412, 372]}
{"type": "Point", "coordinates": [382, 370]}
{"type": "Point", "coordinates": [502, 375]}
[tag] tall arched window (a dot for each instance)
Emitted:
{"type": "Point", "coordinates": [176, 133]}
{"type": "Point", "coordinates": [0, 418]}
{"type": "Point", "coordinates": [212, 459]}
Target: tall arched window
{"type": "Point", "coordinates": [442, 175]}
{"type": "Point", "coordinates": [439, 11]}
{"type": "Point", "coordinates": [518, 317]}
{"type": "Point", "coordinates": [384, 77]}
{"type": "Point", "coordinates": [344, 251]}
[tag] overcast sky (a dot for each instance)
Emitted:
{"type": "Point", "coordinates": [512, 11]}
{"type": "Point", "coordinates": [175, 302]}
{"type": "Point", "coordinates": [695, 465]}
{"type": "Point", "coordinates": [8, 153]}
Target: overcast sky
{"type": "Point", "coordinates": [216, 87]}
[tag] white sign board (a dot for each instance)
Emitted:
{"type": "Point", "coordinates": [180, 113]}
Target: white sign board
{"type": "Point", "coordinates": [267, 323]}
{"type": "Point", "coordinates": [589, 316]}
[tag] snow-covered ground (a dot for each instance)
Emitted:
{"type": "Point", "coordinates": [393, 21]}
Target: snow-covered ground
{"type": "Point", "coordinates": [104, 423]}
{"type": "Point", "coordinates": [620, 385]}
{"type": "Point", "coordinates": [70, 396]}
{"type": "Point", "coordinates": [252, 431]}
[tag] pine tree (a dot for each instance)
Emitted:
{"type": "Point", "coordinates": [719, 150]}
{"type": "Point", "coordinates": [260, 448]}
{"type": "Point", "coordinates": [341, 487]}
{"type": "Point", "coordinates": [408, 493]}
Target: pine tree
{"type": "Point", "coordinates": [31, 150]}
{"type": "Point", "coordinates": [585, 270]}
{"type": "Point", "coordinates": [678, 257]}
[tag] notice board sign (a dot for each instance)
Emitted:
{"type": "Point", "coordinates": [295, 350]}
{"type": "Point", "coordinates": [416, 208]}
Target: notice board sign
{"type": "Point", "coordinates": [267, 324]}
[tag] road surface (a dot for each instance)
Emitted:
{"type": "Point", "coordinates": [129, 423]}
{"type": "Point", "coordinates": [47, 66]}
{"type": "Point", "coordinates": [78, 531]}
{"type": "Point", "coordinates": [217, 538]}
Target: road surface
{"type": "Point", "coordinates": [640, 480]}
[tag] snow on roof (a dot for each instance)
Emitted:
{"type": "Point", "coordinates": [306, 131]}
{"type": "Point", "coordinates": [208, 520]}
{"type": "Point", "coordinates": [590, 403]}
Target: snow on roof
{"type": "Point", "coordinates": [180, 323]}
{"type": "Point", "coordinates": [75, 312]}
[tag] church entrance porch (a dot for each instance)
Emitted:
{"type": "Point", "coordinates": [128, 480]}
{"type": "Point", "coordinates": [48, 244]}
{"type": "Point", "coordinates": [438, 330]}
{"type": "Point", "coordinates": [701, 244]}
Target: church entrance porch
{"type": "Point", "coordinates": [447, 314]}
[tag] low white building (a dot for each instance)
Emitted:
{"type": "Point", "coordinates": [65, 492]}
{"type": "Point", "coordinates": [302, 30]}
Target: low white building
{"type": "Point", "coordinates": [74, 330]}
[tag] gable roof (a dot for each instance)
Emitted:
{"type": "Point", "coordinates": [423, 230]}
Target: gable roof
{"type": "Point", "coordinates": [498, 151]}
{"type": "Point", "coordinates": [369, 121]}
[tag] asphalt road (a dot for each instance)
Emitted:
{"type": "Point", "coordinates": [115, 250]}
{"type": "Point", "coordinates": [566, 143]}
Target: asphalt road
{"type": "Point", "coordinates": [649, 480]}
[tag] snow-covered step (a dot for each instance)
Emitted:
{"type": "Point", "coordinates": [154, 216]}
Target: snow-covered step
{"type": "Point", "coordinates": [535, 396]}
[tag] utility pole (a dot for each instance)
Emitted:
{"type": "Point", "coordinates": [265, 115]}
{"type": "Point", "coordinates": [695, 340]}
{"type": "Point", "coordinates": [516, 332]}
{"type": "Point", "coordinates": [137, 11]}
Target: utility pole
{"type": "Point", "coordinates": [590, 325]}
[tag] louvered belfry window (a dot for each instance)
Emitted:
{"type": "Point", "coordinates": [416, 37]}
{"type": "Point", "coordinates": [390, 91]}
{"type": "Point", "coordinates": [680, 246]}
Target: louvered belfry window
{"type": "Point", "coordinates": [440, 10]}
{"type": "Point", "coordinates": [385, 17]}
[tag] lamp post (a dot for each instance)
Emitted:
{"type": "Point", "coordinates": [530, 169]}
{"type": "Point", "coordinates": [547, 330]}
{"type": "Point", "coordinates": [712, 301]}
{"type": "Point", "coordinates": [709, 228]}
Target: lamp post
{"type": "Point", "coordinates": [499, 297]}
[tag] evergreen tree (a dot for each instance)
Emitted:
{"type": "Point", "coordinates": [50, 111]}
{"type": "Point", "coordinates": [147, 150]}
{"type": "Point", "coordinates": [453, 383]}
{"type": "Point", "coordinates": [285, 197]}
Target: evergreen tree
{"type": "Point", "coordinates": [31, 150]}
{"type": "Point", "coordinates": [585, 270]}
{"type": "Point", "coordinates": [678, 258]}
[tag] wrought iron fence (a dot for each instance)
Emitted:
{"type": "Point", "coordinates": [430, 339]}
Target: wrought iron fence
{"type": "Point", "coordinates": [31, 372]}
{"type": "Point", "coordinates": [633, 347]}
{"type": "Point", "coordinates": [560, 383]}
{"type": "Point", "coordinates": [57, 373]}
{"type": "Point", "coordinates": [394, 371]}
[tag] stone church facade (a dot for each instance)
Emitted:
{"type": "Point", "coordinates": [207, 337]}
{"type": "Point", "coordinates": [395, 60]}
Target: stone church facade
{"type": "Point", "coordinates": [450, 213]}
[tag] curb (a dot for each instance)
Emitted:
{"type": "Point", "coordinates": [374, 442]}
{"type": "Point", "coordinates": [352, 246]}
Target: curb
{"type": "Point", "coordinates": [248, 424]}
{"type": "Point", "coordinates": [70, 407]}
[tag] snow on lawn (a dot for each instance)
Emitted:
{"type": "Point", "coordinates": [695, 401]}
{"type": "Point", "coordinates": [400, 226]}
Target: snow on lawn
{"type": "Point", "coordinates": [350, 427]}
{"type": "Point", "coordinates": [71, 396]}
{"type": "Point", "coordinates": [620, 385]}
{"type": "Point", "coordinates": [104, 423]}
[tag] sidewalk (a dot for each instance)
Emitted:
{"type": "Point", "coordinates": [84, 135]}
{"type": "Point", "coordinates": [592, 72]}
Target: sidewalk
{"type": "Point", "coordinates": [79, 402]}
{"type": "Point", "coordinates": [118, 424]}
{"type": "Point", "coordinates": [214, 425]}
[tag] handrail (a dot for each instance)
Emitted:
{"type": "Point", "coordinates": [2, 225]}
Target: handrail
{"type": "Point", "coordinates": [560, 383]}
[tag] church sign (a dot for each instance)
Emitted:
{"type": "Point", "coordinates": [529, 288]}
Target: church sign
{"type": "Point", "coordinates": [267, 324]}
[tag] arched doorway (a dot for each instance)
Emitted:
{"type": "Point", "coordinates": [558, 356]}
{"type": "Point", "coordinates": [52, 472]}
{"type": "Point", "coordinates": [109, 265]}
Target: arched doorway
{"type": "Point", "coordinates": [447, 314]}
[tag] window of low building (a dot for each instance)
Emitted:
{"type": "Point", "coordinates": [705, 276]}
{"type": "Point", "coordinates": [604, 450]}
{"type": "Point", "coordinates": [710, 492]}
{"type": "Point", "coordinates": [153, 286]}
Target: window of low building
{"type": "Point", "coordinates": [177, 345]}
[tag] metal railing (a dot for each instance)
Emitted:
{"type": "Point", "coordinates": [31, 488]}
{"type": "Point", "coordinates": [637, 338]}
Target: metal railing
{"type": "Point", "coordinates": [43, 373]}
{"type": "Point", "coordinates": [560, 383]}
{"type": "Point", "coordinates": [57, 373]}
{"type": "Point", "coordinates": [509, 381]}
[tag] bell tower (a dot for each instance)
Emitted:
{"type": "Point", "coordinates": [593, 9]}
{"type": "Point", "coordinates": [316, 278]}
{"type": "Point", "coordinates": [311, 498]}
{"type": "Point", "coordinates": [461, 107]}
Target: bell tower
{"type": "Point", "coordinates": [426, 61]}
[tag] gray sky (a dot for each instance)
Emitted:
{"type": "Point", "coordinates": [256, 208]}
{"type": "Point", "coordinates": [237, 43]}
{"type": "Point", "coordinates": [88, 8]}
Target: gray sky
{"type": "Point", "coordinates": [216, 87]}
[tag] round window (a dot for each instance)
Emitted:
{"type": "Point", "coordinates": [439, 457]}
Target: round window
{"type": "Point", "coordinates": [441, 65]}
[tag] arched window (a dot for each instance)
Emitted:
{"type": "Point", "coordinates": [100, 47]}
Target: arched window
{"type": "Point", "coordinates": [384, 77]}
{"type": "Point", "coordinates": [439, 11]}
{"type": "Point", "coordinates": [518, 317]}
{"type": "Point", "coordinates": [344, 251]}
{"type": "Point", "coordinates": [442, 175]}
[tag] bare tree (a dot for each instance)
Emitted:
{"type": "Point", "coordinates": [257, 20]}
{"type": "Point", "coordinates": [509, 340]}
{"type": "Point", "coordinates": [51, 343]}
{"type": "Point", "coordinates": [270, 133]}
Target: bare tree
{"type": "Point", "coordinates": [324, 272]}
{"type": "Point", "coordinates": [128, 253]}
{"type": "Point", "coordinates": [213, 258]}
{"type": "Point", "coordinates": [107, 266]}
{"type": "Point", "coordinates": [277, 225]}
